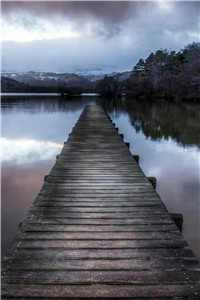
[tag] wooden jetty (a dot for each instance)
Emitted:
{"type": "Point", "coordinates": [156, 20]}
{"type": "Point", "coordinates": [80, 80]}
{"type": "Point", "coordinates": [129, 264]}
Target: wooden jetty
{"type": "Point", "coordinates": [98, 229]}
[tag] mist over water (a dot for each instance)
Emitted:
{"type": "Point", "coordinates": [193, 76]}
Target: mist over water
{"type": "Point", "coordinates": [166, 136]}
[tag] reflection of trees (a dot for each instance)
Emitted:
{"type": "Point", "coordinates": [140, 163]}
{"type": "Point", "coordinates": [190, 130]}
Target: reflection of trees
{"type": "Point", "coordinates": [163, 120]}
{"type": "Point", "coordinates": [118, 105]}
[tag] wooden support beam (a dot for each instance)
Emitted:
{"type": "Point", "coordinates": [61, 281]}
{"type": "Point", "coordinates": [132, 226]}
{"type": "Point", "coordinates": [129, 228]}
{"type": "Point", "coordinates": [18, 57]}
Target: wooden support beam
{"type": "Point", "coordinates": [178, 219]}
{"type": "Point", "coordinates": [137, 158]}
{"type": "Point", "coordinates": [153, 181]}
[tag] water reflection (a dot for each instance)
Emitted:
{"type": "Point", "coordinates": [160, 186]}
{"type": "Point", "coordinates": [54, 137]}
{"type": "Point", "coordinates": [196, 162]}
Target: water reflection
{"type": "Point", "coordinates": [161, 120]}
{"type": "Point", "coordinates": [20, 184]}
{"type": "Point", "coordinates": [33, 132]}
{"type": "Point", "coordinates": [40, 118]}
{"type": "Point", "coordinates": [167, 138]}
{"type": "Point", "coordinates": [27, 150]}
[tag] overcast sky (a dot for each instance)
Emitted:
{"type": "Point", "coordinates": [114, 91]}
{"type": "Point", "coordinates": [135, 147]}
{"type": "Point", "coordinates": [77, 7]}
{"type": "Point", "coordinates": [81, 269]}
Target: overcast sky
{"type": "Point", "coordinates": [107, 36]}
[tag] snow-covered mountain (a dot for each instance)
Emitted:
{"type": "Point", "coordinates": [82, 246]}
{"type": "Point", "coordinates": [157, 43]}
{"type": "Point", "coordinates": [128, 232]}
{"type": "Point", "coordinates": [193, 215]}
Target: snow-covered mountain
{"type": "Point", "coordinates": [56, 80]}
{"type": "Point", "coordinates": [48, 79]}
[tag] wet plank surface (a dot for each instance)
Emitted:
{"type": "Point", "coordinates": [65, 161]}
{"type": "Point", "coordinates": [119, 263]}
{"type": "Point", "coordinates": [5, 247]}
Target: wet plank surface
{"type": "Point", "coordinates": [98, 229]}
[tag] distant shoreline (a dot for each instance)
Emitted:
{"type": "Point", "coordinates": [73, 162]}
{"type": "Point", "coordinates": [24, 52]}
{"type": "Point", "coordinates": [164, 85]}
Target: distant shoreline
{"type": "Point", "coordinates": [47, 94]}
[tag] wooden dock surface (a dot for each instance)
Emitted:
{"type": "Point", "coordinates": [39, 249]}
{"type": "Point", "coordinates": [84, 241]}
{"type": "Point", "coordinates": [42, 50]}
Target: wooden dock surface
{"type": "Point", "coordinates": [98, 229]}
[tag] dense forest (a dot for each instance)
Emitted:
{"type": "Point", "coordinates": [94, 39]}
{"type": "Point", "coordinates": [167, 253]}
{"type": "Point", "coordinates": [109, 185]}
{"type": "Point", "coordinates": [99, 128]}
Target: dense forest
{"type": "Point", "coordinates": [174, 76]}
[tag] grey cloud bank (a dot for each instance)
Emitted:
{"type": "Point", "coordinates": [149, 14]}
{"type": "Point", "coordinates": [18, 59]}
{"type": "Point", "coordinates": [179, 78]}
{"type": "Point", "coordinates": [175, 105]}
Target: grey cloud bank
{"type": "Point", "coordinates": [109, 36]}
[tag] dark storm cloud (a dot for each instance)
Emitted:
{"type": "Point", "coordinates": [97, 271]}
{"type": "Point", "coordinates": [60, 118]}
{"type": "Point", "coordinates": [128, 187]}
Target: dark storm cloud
{"type": "Point", "coordinates": [110, 11]}
{"type": "Point", "coordinates": [111, 14]}
{"type": "Point", "coordinates": [73, 8]}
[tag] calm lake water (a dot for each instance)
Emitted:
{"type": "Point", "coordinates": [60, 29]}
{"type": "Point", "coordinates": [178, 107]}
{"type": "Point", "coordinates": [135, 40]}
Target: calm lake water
{"type": "Point", "coordinates": [166, 136]}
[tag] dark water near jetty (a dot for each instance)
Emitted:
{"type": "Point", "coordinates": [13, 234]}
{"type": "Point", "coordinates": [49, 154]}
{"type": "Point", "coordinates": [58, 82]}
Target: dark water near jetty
{"type": "Point", "coordinates": [166, 136]}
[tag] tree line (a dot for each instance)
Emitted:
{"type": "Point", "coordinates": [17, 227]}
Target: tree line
{"type": "Point", "coordinates": [14, 86]}
{"type": "Point", "coordinates": [169, 75]}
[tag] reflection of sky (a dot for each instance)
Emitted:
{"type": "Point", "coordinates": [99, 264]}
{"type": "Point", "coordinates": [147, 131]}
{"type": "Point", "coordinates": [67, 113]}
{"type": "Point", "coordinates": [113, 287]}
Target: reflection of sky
{"type": "Point", "coordinates": [20, 184]}
{"type": "Point", "coordinates": [50, 126]}
{"type": "Point", "coordinates": [33, 132]}
{"type": "Point", "coordinates": [27, 150]}
{"type": "Point", "coordinates": [177, 171]}
{"type": "Point", "coordinates": [157, 153]}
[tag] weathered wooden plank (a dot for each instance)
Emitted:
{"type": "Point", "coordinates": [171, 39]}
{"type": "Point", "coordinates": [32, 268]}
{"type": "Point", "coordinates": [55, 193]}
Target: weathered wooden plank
{"type": "Point", "coordinates": [106, 277]}
{"type": "Point", "coordinates": [118, 198]}
{"type": "Point", "coordinates": [97, 204]}
{"type": "Point", "coordinates": [104, 291]}
{"type": "Point", "coordinates": [101, 235]}
{"type": "Point", "coordinates": [97, 228]}
{"type": "Point", "coordinates": [100, 181]}
{"type": "Point", "coordinates": [120, 210]}
{"type": "Point", "coordinates": [91, 215]}
{"type": "Point", "coordinates": [62, 187]}
{"type": "Point", "coordinates": [101, 244]}
{"type": "Point", "coordinates": [96, 193]}
{"type": "Point", "coordinates": [136, 264]}
{"type": "Point", "coordinates": [65, 254]}
{"type": "Point", "coordinates": [148, 220]}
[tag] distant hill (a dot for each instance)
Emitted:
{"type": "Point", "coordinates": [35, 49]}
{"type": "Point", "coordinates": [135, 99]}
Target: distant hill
{"type": "Point", "coordinates": [47, 79]}
{"type": "Point", "coordinates": [45, 82]}
{"type": "Point", "coordinates": [26, 81]}
{"type": "Point", "coordinates": [11, 85]}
